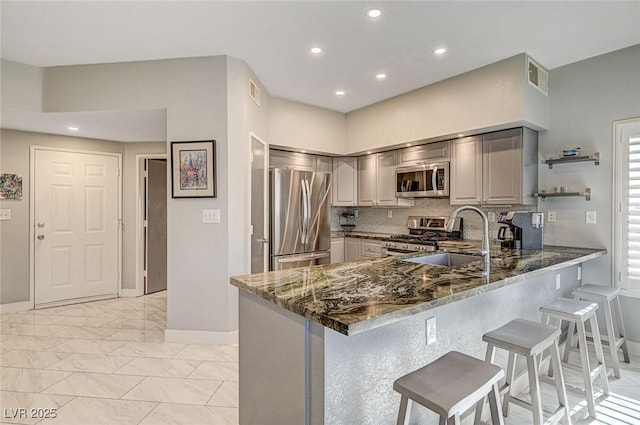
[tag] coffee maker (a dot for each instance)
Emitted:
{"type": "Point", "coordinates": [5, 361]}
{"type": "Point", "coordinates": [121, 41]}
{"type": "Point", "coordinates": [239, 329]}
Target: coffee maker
{"type": "Point", "coordinates": [520, 230]}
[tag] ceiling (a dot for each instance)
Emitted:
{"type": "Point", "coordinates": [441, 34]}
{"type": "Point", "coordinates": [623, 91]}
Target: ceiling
{"type": "Point", "coordinates": [274, 38]}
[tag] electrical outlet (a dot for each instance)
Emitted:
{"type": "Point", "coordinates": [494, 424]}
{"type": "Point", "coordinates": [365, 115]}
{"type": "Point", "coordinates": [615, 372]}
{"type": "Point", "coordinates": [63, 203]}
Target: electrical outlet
{"type": "Point", "coordinates": [389, 213]}
{"type": "Point", "coordinates": [355, 213]}
{"type": "Point", "coordinates": [5, 214]}
{"type": "Point", "coordinates": [579, 272]}
{"type": "Point", "coordinates": [591, 217]}
{"type": "Point", "coordinates": [491, 216]}
{"type": "Point", "coordinates": [551, 216]}
{"type": "Point", "coordinates": [558, 281]}
{"type": "Point", "coordinates": [431, 330]}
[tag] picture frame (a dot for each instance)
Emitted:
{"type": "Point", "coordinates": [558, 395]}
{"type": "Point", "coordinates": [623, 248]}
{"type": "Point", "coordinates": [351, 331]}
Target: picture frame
{"type": "Point", "coordinates": [193, 169]}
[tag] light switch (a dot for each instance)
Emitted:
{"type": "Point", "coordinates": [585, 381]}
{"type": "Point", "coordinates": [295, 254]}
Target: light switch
{"type": "Point", "coordinates": [5, 214]}
{"type": "Point", "coordinates": [211, 216]}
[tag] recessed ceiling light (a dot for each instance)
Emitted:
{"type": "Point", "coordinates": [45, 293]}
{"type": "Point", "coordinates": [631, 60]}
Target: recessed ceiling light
{"type": "Point", "coordinates": [440, 51]}
{"type": "Point", "coordinates": [315, 50]}
{"type": "Point", "coordinates": [340, 92]}
{"type": "Point", "coordinates": [381, 76]}
{"type": "Point", "coordinates": [374, 13]}
{"type": "Point", "coordinates": [73, 128]}
{"type": "Point", "coordinates": [460, 135]}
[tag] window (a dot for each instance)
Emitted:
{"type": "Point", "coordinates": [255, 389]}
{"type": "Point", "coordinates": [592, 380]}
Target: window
{"type": "Point", "coordinates": [627, 205]}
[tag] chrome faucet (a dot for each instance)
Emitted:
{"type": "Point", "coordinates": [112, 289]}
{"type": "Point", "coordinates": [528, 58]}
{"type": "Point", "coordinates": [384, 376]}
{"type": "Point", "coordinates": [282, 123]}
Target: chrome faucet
{"type": "Point", "coordinates": [486, 248]}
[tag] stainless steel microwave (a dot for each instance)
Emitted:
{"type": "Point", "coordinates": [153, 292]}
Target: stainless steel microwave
{"type": "Point", "coordinates": [429, 180]}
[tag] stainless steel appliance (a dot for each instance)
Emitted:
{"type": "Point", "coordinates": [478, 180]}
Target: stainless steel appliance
{"type": "Point", "coordinates": [300, 218]}
{"type": "Point", "coordinates": [428, 180]}
{"type": "Point", "coordinates": [424, 234]}
{"type": "Point", "coordinates": [520, 230]}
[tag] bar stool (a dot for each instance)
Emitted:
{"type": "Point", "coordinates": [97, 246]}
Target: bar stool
{"type": "Point", "coordinates": [608, 298]}
{"type": "Point", "coordinates": [579, 312]}
{"type": "Point", "coordinates": [449, 386]}
{"type": "Point", "coordinates": [528, 339]}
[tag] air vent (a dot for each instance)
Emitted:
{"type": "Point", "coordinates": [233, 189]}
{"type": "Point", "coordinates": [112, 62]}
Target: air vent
{"type": "Point", "coordinates": [254, 92]}
{"type": "Point", "coordinates": [538, 77]}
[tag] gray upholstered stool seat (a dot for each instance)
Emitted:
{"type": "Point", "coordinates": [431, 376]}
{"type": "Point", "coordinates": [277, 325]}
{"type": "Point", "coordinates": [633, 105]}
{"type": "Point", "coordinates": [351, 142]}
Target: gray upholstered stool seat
{"type": "Point", "coordinates": [529, 339]}
{"type": "Point", "coordinates": [606, 297]}
{"type": "Point", "coordinates": [449, 386]}
{"type": "Point", "coordinates": [578, 313]}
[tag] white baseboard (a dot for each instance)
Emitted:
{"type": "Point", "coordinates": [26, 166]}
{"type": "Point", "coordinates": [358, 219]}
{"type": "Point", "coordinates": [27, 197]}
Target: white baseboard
{"type": "Point", "coordinates": [201, 337]}
{"type": "Point", "coordinates": [15, 307]}
{"type": "Point", "coordinates": [634, 348]}
{"type": "Point", "coordinates": [129, 293]}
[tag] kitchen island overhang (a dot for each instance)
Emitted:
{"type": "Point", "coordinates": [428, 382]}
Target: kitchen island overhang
{"type": "Point", "coordinates": [298, 366]}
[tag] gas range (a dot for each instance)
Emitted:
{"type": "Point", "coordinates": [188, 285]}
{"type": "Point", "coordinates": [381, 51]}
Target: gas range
{"type": "Point", "coordinates": [424, 234]}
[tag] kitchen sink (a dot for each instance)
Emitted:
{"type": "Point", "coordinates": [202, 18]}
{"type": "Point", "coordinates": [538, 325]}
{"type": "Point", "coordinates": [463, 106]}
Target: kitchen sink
{"type": "Point", "coordinates": [445, 259]}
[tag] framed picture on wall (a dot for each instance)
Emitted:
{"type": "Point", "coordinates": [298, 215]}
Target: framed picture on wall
{"type": "Point", "coordinates": [193, 169]}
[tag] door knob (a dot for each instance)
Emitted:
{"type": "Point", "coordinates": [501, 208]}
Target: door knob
{"type": "Point", "coordinates": [40, 237]}
{"type": "Point", "coordinates": [41, 224]}
{"type": "Point", "coordinates": [264, 240]}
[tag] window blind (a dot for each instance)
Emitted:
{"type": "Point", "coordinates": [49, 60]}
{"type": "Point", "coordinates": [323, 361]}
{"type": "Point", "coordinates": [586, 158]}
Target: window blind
{"type": "Point", "coordinates": [630, 206]}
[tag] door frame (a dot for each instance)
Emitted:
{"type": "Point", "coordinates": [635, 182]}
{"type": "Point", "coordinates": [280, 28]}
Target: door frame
{"type": "Point", "coordinates": [253, 136]}
{"type": "Point", "coordinates": [139, 268]}
{"type": "Point", "coordinates": [32, 230]}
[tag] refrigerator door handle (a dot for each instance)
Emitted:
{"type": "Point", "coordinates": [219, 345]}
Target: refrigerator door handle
{"type": "Point", "coordinates": [303, 257]}
{"type": "Point", "coordinates": [434, 179]}
{"type": "Point", "coordinates": [306, 233]}
{"type": "Point", "coordinates": [303, 217]}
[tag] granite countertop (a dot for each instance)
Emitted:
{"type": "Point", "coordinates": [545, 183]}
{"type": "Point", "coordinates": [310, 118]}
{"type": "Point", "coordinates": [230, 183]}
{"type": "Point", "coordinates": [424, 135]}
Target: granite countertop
{"type": "Point", "coordinates": [356, 296]}
{"type": "Point", "coordinates": [361, 235]}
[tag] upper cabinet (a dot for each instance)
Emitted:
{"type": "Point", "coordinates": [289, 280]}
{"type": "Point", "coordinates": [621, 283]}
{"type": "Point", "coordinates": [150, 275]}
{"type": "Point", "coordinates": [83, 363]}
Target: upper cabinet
{"type": "Point", "coordinates": [376, 180]}
{"type": "Point", "coordinates": [299, 161]}
{"type": "Point", "coordinates": [324, 164]}
{"type": "Point", "coordinates": [418, 155]}
{"type": "Point", "coordinates": [344, 182]}
{"type": "Point", "coordinates": [499, 168]}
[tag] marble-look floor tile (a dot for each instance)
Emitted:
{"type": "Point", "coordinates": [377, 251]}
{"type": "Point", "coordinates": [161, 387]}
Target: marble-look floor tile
{"type": "Point", "coordinates": [99, 411]}
{"type": "Point", "coordinates": [33, 343]}
{"type": "Point", "coordinates": [227, 395]}
{"type": "Point", "coordinates": [95, 385]}
{"type": "Point", "coordinates": [28, 380]}
{"type": "Point", "coordinates": [137, 335]}
{"type": "Point", "coordinates": [172, 390]}
{"type": "Point", "coordinates": [169, 368]}
{"type": "Point", "coordinates": [82, 320]}
{"type": "Point", "coordinates": [86, 332]}
{"type": "Point", "coordinates": [219, 371]}
{"type": "Point", "coordinates": [30, 359]}
{"type": "Point", "coordinates": [29, 329]}
{"type": "Point", "coordinates": [97, 363]}
{"type": "Point", "coordinates": [11, 402]}
{"type": "Point", "coordinates": [216, 353]}
{"type": "Point", "coordinates": [178, 414]}
{"type": "Point", "coordinates": [131, 324]}
{"type": "Point", "coordinates": [88, 346]}
{"type": "Point", "coordinates": [148, 349]}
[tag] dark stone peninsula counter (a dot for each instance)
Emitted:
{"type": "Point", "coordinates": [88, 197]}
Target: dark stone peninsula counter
{"type": "Point", "coordinates": [323, 345]}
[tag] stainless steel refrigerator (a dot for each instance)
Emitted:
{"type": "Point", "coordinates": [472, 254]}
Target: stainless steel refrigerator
{"type": "Point", "coordinates": [300, 218]}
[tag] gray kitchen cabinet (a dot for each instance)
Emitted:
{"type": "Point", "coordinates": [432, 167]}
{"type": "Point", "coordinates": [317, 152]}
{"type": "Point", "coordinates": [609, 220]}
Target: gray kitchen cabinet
{"type": "Point", "coordinates": [370, 248]}
{"type": "Point", "coordinates": [510, 167]}
{"type": "Point", "coordinates": [417, 155]}
{"type": "Point", "coordinates": [465, 171]}
{"type": "Point", "coordinates": [344, 182]}
{"type": "Point", "coordinates": [292, 160]}
{"type": "Point", "coordinates": [351, 249]}
{"type": "Point", "coordinates": [324, 164]}
{"type": "Point", "coordinates": [337, 250]}
{"type": "Point", "coordinates": [377, 181]}
{"type": "Point", "coordinates": [499, 168]}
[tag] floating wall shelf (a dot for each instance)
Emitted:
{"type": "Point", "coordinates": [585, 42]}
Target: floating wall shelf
{"type": "Point", "coordinates": [543, 195]}
{"type": "Point", "coordinates": [595, 157]}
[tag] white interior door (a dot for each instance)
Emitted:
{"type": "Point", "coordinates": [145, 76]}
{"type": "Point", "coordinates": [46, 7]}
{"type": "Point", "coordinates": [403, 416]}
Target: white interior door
{"type": "Point", "coordinates": [76, 211]}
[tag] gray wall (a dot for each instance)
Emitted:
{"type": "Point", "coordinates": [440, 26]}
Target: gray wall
{"type": "Point", "coordinates": [492, 97]}
{"type": "Point", "coordinates": [584, 99]}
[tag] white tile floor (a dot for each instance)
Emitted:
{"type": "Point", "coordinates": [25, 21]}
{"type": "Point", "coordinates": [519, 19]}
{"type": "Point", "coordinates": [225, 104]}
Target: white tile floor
{"type": "Point", "coordinates": [105, 362]}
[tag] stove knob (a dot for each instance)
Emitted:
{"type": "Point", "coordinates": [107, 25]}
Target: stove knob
{"type": "Point", "coordinates": [391, 245]}
{"type": "Point", "coordinates": [405, 246]}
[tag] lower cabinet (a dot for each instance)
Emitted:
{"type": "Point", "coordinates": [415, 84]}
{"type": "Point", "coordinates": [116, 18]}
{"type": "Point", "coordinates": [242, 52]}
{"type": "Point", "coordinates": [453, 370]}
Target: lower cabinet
{"type": "Point", "coordinates": [361, 249]}
{"type": "Point", "coordinates": [337, 250]}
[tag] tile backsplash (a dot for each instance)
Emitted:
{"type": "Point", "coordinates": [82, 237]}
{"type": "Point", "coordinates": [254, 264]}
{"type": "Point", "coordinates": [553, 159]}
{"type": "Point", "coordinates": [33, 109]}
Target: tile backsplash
{"type": "Point", "coordinates": [376, 219]}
